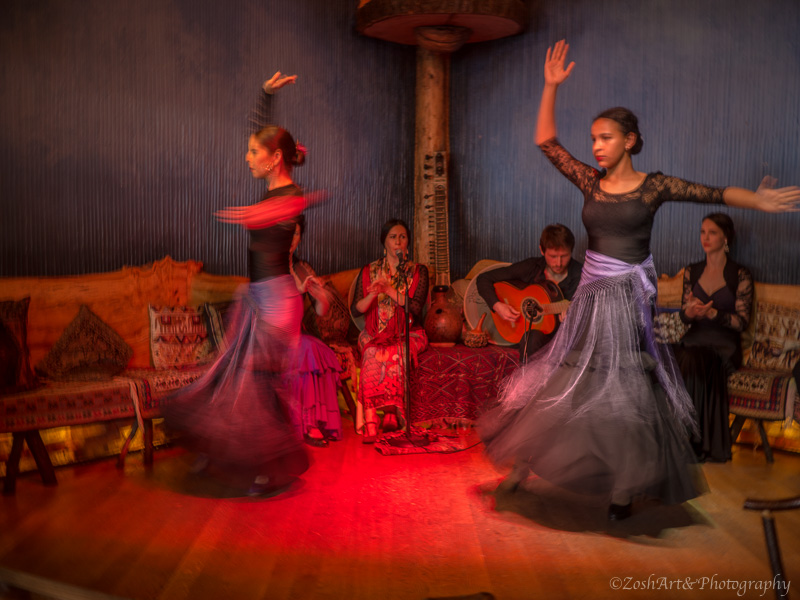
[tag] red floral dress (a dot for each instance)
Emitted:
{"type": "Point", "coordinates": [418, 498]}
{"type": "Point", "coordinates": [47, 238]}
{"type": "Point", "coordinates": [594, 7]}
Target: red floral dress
{"type": "Point", "coordinates": [381, 383]}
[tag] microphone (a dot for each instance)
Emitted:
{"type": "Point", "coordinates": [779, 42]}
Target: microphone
{"type": "Point", "coordinates": [400, 256]}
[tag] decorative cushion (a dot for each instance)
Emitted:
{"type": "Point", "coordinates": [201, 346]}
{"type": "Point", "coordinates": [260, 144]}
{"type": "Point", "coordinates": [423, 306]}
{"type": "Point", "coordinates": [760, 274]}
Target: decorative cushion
{"type": "Point", "coordinates": [217, 318]}
{"type": "Point", "coordinates": [670, 290]}
{"type": "Point", "coordinates": [760, 394]}
{"type": "Point", "coordinates": [10, 360]}
{"type": "Point", "coordinates": [668, 327]}
{"type": "Point", "coordinates": [179, 337]}
{"type": "Point", "coordinates": [18, 374]}
{"type": "Point", "coordinates": [88, 350]}
{"type": "Point", "coordinates": [776, 344]}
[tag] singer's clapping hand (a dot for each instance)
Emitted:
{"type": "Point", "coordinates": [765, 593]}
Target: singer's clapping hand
{"type": "Point", "coordinates": [379, 286]}
{"type": "Point", "coordinates": [696, 308]}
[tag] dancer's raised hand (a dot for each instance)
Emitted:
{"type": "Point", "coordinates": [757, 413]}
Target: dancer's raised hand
{"type": "Point", "coordinates": [277, 81]}
{"type": "Point", "coordinates": [554, 71]}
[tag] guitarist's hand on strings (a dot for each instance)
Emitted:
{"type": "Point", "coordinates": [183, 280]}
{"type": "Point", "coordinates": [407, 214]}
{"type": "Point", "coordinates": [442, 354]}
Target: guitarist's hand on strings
{"type": "Point", "coordinates": [506, 311]}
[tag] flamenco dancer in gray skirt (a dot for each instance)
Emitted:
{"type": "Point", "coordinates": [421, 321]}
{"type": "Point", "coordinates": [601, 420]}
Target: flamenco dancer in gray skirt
{"type": "Point", "coordinates": [602, 410]}
{"type": "Point", "coordinates": [237, 415]}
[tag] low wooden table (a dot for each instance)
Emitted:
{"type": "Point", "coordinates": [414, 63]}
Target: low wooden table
{"type": "Point", "coordinates": [457, 383]}
{"type": "Point", "coordinates": [136, 394]}
{"type": "Point", "coordinates": [59, 405]}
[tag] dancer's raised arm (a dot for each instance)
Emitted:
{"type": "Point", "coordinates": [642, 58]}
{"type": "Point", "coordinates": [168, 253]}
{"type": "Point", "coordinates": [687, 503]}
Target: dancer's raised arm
{"type": "Point", "coordinates": [554, 75]}
{"type": "Point", "coordinates": [261, 115]}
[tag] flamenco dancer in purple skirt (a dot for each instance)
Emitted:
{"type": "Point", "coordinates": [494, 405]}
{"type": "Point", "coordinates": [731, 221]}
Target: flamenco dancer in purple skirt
{"type": "Point", "coordinates": [237, 416]}
{"type": "Point", "coordinates": [602, 410]}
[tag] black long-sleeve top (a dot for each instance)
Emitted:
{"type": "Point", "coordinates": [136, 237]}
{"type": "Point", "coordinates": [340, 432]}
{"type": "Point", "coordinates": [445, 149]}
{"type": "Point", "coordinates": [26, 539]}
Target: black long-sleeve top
{"type": "Point", "coordinates": [620, 225]}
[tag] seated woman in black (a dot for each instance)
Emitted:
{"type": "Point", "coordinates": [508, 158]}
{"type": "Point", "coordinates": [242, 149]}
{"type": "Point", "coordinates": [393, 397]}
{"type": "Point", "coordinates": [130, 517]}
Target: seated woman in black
{"type": "Point", "coordinates": [717, 301]}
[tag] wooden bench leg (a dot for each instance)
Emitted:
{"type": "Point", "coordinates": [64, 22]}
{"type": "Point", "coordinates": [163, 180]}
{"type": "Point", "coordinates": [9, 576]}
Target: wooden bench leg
{"type": "Point", "coordinates": [764, 440]}
{"type": "Point", "coordinates": [147, 431]}
{"type": "Point", "coordinates": [736, 426]}
{"type": "Point", "coordinates": [41, 457]}
{"type": "Point", "coordinates": [348, 399]}
{"type": "Point", "coordinates": [12, 465]}
{"type": "Point", "coordinates": [124, 452]}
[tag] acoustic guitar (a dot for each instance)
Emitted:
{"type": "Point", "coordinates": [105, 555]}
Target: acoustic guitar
{"type": "Point", "coordinates": [538, 305]}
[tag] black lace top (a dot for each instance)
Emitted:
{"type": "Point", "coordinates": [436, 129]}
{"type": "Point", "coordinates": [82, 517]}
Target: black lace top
{"type": "Point", "coordinates": [269, 247]}
{"type": "Point", "coordinates": [619, 225]}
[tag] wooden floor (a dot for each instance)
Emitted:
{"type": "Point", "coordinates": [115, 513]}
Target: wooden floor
{"type": "Point", "coordinates": [361, 525]}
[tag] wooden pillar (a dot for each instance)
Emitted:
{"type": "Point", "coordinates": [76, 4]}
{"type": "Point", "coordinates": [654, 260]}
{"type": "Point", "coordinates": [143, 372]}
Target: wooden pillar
{"type": "Point", "coordinates": [434, 46]}
{"type": "Point", "coordinates": [438, 28]}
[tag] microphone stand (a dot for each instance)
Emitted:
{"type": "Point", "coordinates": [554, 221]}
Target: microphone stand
{"type": "Point", "coordinates": [409, 440]}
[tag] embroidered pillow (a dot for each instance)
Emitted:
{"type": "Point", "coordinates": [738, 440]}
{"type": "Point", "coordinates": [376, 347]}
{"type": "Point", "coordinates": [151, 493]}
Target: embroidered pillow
{"type": "Point", "coordinates": [776, 342]}
{"type": "Point", "coordinates": [178, 337]}
{"type": "Point", "coordinates": [88, 350]}
{"type": "Point", "coordinates": [17, 373]}
{"type": "Point", "coordinates": [333, 325]}
{"type": "Point", "coordinates": [668, 327]}
{"type": "Point", "coordinates": [217, 318]}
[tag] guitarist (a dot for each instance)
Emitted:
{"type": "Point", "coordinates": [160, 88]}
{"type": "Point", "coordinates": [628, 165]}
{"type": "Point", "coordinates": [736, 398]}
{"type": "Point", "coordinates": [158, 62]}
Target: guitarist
{"type": "Point", "coordinates": [556, 264]}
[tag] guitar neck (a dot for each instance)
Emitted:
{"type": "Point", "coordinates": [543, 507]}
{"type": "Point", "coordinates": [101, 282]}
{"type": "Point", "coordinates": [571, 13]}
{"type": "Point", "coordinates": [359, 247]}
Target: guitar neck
{"type": "Point", "coordinates": [555, 308]}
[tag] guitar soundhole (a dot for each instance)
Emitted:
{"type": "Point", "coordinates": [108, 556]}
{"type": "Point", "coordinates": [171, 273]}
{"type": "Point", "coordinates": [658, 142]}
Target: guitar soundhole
{"type": "Point", "coordinates": [531, 309]}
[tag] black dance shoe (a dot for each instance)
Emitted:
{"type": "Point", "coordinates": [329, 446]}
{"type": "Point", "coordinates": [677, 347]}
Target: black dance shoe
{"type": "Point", "coordinates": [513, 480]}
{"type": "Point", "coordinates": [618, 512]}
{"type": "Point", "coordinates": [268, 489]}
{"type": "Point", "coordinates": [200, 464]}
{"type": "Point", "coordinates": [316, 442]}
{"type": "Point", "coordinates": [509, 485]}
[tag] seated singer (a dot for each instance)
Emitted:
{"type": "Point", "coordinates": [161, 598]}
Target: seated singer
{"type": "Point", "coordinates": [380, 295]}
{"type": "Point", "coordinates": [555, 268]}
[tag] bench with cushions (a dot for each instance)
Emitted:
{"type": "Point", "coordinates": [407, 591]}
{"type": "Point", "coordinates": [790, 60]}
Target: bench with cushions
{"type": "Point", "coordinates": [90, 349]}
{"type": "Point", "coordinates": [763, 390]}
{"type": "Point", "coordinates": [103, 349]}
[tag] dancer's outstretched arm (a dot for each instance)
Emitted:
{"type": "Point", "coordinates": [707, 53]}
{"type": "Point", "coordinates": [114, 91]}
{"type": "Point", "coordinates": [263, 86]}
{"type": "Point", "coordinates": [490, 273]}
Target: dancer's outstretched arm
{"type": "Point", "coordinates": [269, 212]}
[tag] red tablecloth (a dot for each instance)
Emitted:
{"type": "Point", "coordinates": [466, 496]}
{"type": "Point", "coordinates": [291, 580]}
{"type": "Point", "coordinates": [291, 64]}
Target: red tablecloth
{"type": "Point", "coordinates": [64, 404]}
{"type": "Point", "coordinates": [458, 382]}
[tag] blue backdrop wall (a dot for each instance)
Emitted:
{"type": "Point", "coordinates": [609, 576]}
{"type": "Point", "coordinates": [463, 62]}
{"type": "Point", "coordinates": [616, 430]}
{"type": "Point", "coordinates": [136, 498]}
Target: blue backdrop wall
{"type": "Point", "coordinates": [124, 126]}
